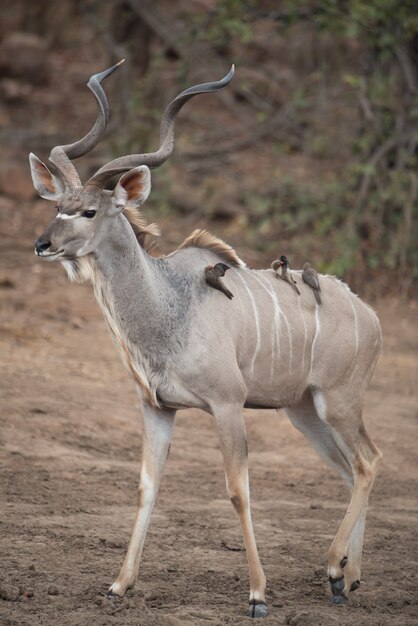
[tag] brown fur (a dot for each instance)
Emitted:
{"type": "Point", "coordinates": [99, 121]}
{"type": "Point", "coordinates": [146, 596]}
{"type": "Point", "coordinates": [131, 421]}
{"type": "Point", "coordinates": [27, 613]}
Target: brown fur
{"type": "Point", "coordinates": [143, 232]}
{"type": "Point", "coordinates": [45, 177]}
{"type": "Point", "coordinates": [133, 184]}
{"type": "Point", "coordinates": [204, 239]}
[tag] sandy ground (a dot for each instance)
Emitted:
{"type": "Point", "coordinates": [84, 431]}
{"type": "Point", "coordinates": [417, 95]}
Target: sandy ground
{"type": "Point", "coordinates": [69, 454]}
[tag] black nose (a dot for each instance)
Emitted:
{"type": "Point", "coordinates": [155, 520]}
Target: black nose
{"type": "Point", "coordinates": [41, 246]}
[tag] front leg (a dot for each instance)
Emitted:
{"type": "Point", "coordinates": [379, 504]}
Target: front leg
{"type": "Point", "coordinates": [233, 441]}
{"type": "Point", "coordinates": [156, 436]}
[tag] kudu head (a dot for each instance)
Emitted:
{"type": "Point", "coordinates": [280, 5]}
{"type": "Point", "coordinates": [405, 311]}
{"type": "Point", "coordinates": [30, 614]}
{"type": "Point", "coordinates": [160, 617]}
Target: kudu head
{"type": "Point", "coordinates": [86, 212]}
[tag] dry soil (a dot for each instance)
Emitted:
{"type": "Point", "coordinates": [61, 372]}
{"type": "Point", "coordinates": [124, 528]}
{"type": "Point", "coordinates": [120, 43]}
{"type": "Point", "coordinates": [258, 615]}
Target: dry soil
{"type": "Point", "coordinates": [69, 454]}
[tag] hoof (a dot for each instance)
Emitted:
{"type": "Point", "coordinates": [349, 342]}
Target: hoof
{"type": "Point", "coordinates": [258, 608]}
{"type": "Point", "coordinates": [113, 596]}
{"type": "Point", "coordinates": [355, 585]}
{"type": "Point", "coordinates": [337, 585]}
{"type": "Point", "coordinates": [338, 600]}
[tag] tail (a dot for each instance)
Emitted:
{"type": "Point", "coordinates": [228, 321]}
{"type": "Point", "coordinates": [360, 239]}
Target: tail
{"type": "Point", "coordinates": [227, 292]}
{"type": "Point", "coordinates": [317, 296]}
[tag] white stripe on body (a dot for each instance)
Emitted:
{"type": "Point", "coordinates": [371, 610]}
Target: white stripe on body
{"type": "Point", "coordinates": [317, 333]}
{"type": "Point", "coordinates": [379, 341]}
{"type": "Point", "coordinates": [376, 325]}
{"type": "Point", "coordinates": [276, 324]}
{"type": "Point", "coordinates": [357, 338]}
{"type": "Point", "coordinates": [305, 333]}
{"type": "Point", "coordinates": [375, 321]}
{"type": "Point", "coordinates": [276, 302]}
{"type": "Point", "coordinates": [257, 322]}
{"type": "Point", "coordinates": [347, 293]}
{"type": "Point", "coordinates": [355, 325]}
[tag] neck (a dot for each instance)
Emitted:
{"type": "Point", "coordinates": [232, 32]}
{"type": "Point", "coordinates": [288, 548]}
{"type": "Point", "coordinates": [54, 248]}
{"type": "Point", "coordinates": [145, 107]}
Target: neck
{"type": "Point", "coordinates": [143, 302]}
{"type": "Point", "coordinates": [126, 269]}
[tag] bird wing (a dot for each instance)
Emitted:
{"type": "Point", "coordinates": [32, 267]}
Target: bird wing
{"type": "Point", "coordinates": [311, 279]}
{"type": "Point", "coordinates": [316, 281]}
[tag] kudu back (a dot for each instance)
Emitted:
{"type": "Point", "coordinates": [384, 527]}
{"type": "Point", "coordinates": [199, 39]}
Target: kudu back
{"type": "Point", "coordinates": [187, 345]}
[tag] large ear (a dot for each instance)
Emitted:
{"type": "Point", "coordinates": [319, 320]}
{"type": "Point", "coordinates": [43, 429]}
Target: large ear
{"type": "Point", "coordinates": [46, 184]}
{"type": "Point", "coordinates": [133, 188]}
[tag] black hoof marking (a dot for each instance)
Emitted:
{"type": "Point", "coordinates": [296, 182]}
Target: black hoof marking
{"type": "Point", "coordinates": [337, 585]}
{"type": "Point", "coordinates": [258, 608]}
{"type": "Point", "coordinates": [338, 600]}
{"type": "Point", "coordinates": [113, 596]}
{"type": "Point", "coordinates": [355, 585]}
{"type": "Point", "coordinates": [343, 562]}
{"type": "Point", "coordinates": [335, 580]}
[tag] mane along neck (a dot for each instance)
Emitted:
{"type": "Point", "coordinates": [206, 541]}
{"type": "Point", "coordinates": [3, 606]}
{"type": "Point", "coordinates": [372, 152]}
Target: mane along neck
{"type": "Point", "coordinates": [145, 233]}
{"type": "Point", "coordinates": [204, 239]}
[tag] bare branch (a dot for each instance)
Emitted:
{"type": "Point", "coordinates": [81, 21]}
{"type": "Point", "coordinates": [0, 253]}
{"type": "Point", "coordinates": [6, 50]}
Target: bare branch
{"type": "Point", "coordinates": [254, 134]}
{"type": "Point", "coordinates": [407, 68]}
{"type": "Point", "coordinates": [175, 36]}
{"type": "Point", "coordinates": [383, 149]}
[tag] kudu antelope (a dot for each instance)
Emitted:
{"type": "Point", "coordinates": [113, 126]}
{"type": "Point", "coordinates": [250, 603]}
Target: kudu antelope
{"type": "Point", "coordinates": [188, 346]}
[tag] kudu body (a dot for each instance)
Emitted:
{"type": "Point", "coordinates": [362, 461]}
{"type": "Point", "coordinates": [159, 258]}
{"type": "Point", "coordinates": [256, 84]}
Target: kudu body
{"type": "Point", "coordinates": [187, 345]}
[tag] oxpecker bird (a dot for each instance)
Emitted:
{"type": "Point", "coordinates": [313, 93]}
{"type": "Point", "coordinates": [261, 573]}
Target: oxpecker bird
{"type": "Point", "coordinates": [281, 267]}
{"type": "Point", "coordinates": [310, 277]}
{"type": "Point", "coordinates": [213, 275]}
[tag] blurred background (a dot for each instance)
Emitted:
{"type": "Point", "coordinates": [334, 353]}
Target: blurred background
{"type": "Point", "coordinates": [310, 152]}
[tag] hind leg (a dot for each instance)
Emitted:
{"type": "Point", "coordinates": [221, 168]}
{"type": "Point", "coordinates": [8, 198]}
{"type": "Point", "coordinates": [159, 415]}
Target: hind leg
{"type": "Point", "coordinates": [345, 445]}
{"type": "Point", "coordinates": [352, 570]}
{"type": "Point", "coordinates": [344, 557]}
{"type": "Point", "coordinates": [305, 418]}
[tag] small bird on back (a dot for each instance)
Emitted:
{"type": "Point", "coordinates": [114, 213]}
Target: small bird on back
{"type": "Point", "coordinates": [310, 277]}
{"type": "Point", "coordinates": [281, 267]}
{"type": "Point", "coordinates": [213, 275]}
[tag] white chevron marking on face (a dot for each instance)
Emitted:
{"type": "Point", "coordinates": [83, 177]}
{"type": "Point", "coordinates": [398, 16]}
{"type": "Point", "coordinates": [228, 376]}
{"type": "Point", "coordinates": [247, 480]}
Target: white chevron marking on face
{"type": "Point", "coordinates": [65, 216]}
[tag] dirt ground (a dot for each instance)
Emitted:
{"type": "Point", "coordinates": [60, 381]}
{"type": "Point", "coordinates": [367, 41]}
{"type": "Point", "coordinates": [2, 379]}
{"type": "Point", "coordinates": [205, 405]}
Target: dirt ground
{"type": "Point", "coordinates": [69, 454]}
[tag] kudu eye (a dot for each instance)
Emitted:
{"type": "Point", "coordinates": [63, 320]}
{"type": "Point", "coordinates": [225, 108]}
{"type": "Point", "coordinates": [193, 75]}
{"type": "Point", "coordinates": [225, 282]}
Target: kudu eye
{"type": "Point", "coordinates": [90, 213]}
